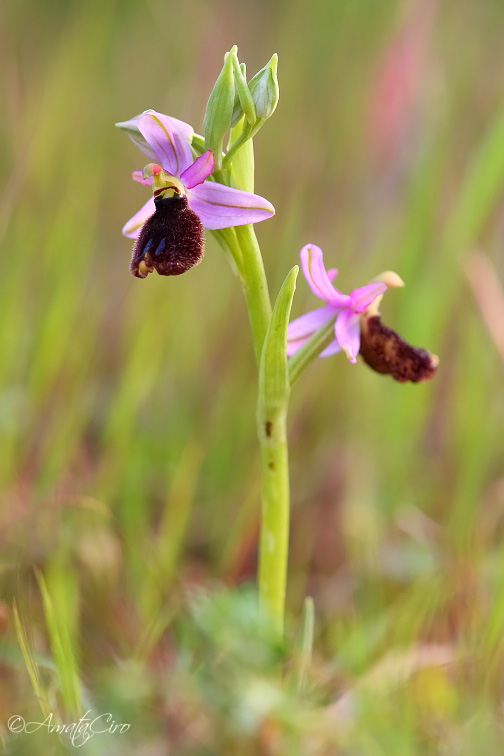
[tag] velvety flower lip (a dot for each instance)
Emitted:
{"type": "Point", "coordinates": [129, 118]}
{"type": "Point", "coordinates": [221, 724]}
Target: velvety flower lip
{"type": "Point", "coordinates": [346, 308]}
{"type": "Point", "coordinates": [165, 140]}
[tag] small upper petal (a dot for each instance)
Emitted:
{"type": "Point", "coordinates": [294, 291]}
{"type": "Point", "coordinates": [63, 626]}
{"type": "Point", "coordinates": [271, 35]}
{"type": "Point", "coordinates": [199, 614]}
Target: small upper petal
{"type": "Point", "coordinates": [201, 169]}
{"type": "Point", "coordinates": [132, 228]}
{"type": "Point", "coordinates": [347, 332]}
{"type": "Point", "coordinates": [167, 141]}
{"type": "Point", "coordinates": [220, 206]}
{"type": "Point", "coordinates": [365, 295]}
{"type": "Point", "coordinates": [312, 262]}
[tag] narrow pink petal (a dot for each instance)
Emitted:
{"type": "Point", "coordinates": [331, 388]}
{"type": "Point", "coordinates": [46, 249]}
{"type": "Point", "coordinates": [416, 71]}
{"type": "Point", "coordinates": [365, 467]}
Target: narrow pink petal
{"type": "Point", "coordinates": [306, 325]}
{"type": "Point", "coordinates": [199, 170]}
{"type": "Point", "coordinates": [312, 262]}
{"type": "Point", "coordinates": [347, 332]}
{"type": "Point", "coordinates": [132, 228]}
{"type": "Point", "coordinates": [220, 206]}
{"type": "Point", "coordinates": [333, 348]}
{"type": "Point", "coordinates": [138, 176]}
{"type": "Point", "coordinates": [169, 144]}
{"type": "Point", "coordinates": [365, 295]}
{"type": "Point", "coordinates": [332, 273]}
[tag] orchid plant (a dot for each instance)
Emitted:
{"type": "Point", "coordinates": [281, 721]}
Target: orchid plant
{"type": "Point", "coordinates": [197, 186]}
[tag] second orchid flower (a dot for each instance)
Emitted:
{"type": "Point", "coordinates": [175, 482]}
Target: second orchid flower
{"type": "Point", "coordinates": [357, 324]}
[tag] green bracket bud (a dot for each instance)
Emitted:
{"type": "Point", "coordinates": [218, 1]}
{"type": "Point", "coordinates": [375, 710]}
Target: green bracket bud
{"type": "Point", "coordinates": [264, 89]}
{"type": "Point", "coordinates": [220, 109]}
{"type": "Point", "coordinates": [244, 103]}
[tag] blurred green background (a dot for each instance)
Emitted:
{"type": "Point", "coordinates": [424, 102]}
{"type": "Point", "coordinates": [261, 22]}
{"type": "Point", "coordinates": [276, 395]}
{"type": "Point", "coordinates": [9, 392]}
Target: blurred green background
{"type": "Point", "coordinates": [128, 461]}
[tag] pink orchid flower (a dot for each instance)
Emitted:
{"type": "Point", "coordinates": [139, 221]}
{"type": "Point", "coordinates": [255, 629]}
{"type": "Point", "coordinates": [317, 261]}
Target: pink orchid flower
{"type": "Point", "coordinates": [347, 308]}
{"type": "Point", "coordinates": [169, 227]}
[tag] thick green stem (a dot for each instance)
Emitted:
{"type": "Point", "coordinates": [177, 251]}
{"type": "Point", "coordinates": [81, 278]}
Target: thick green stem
{"type": "Point", "coordinates": [242, 243]}
{"type": "Point", "coordinates": [274, 541]}
{"type": "Point", "coordinates": [255, 285]}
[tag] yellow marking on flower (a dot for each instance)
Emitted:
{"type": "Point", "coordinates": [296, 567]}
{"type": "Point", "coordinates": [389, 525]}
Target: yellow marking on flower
{"type": "Point", "coordinates": [144, 268]}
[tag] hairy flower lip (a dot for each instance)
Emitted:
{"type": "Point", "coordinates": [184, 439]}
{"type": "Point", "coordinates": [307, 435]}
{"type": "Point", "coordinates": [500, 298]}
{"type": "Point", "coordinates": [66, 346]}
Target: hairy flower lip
{"type": "Point", "coordinates": [170, 242]}
{"type": "Point", "coordinates": [217, 205]}
{"type": "Point", "coordinates": [388, 353]}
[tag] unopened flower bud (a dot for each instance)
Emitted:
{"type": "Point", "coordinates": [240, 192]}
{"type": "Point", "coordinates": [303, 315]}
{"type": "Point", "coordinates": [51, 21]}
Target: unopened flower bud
{"type": "Point", "coordinates": [264, 89]}
{"type": "Point", "coordinates": [244, 103]}
{"type": "Point", "coordinates": [220, 109]}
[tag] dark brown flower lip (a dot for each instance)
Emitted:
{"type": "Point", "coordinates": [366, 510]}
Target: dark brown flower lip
{"type": "Point", "coordinates": [171, 240]}
{"type": "Point", "coordinates": [388, 353]}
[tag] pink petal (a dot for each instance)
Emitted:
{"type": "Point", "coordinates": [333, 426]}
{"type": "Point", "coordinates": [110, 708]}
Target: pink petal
{"type": "Point", "coordinates": [132, 228]}
{"type": "Point", "coordinates": [312, 262]}
{"type": "Point", "coordinates": [365, 295]}
{"type": "Point", "coordinates": [306, 325]}
{"type": "Point", "coordinates": [199, 170]}
{"type": "Point", "coordinates": [138, 176]}
{"type": "Point", "coordinates": [220, 206]}
{"type": "Point", "coordinates": [333, 348]}
{"type": "Point", "coordinates": [332, 273]}
{"type": "Point", "coordinates": [169, 144]}
{"type": "Point", "coordinates": [347, 332]}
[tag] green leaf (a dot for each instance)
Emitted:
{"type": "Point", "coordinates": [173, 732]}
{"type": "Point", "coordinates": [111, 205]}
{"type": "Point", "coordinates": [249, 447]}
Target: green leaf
{"type": "Point", "coordinates": [274, 386]}
{"type": "Point", "coordinates": [306, 641]}
{"type": "Point", "coordinates": [60, 626]}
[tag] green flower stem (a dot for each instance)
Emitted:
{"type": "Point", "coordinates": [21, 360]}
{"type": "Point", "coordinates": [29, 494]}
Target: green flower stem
{"type": "Point", "coordinates": [274, 539]}
{"type": "Point", "coordinates": [255, 285]}
{"type": "Point", "coordinates": [247, 133]}
{"type": "Point", "coordinates": [269, 334]}
{"type": "Point", "coordinates": [311, 350]}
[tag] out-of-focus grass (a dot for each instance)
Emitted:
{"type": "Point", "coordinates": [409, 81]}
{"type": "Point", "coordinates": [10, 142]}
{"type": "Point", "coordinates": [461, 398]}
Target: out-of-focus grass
{"type": "Point", "coordinates": [128, 464]}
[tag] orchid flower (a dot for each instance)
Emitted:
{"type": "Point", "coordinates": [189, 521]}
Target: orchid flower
{"type": "Point", "coordinates": [169, 228]}
{"type": "Point", "coordinates": [357, 324]}
{"type": "Point", "coordinates": [347, 308]}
